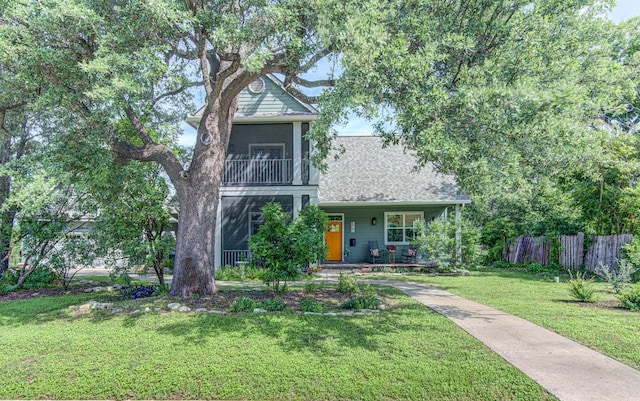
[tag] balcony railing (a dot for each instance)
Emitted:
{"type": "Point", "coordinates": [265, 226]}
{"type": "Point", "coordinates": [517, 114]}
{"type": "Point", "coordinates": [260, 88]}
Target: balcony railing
{"type": "Point", "coordinates": [251, 172]}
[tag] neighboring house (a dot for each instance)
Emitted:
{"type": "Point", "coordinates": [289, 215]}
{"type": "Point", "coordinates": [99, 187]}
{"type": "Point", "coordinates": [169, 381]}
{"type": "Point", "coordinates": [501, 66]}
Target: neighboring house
{"type": "Point", "coordinates": [371, 193]}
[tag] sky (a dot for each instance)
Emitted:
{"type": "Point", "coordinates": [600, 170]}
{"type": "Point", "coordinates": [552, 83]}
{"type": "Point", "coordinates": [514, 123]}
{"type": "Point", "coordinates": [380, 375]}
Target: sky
{"type": "Point", "coordinates": [623, 10]}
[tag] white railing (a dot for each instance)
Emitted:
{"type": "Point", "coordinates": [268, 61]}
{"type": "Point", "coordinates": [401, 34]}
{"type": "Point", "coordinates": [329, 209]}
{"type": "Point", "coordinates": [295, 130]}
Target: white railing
{"type": "Point", "coordinates": [232, 257]}
{"type": "Point", "coordinates": [274, 171]}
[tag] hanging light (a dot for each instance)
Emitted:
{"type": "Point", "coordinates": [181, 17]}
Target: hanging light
{"type": "Point", "coordinates": [374, 221]}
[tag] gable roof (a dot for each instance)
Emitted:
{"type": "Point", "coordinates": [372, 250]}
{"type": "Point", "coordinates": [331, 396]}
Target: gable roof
{"type": "Point", "coordinates": [272, 104]}
{"type": "Point", "coordinates": [369, 174]}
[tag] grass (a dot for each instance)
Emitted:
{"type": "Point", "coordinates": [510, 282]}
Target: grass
{"type": "Point", "coordinates": [405, 352]}
{"type": "Point", "coordinates": [599, 325]}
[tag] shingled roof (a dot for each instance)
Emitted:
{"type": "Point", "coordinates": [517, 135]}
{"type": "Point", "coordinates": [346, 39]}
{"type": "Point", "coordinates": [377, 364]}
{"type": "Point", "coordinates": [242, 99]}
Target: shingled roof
{"type": "Point", "coordinates": [367, 173]}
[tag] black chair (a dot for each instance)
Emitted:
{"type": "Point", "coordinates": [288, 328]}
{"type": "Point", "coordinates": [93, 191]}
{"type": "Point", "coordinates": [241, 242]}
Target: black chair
{"type": "Point", "coordinates": [376, 255]}
{"type": "Point", "coordinates": [409, 255]}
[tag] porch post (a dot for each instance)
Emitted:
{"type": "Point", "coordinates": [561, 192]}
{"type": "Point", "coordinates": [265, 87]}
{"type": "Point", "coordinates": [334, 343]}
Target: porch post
{"type": "Point", "coordinates": [459, 234]}
{"type": "Point", "coordinates": [314, 173]}
{"type": "Point", "coordinates": [297, 205]}
{"type": "Point", "coordinates": [297, 153]}
{"type": "Point", "coordinates": [218, 236]}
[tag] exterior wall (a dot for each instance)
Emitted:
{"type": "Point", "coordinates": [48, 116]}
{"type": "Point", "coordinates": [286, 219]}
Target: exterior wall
{"type": "Point", "coordinates": [365, 231]}
{"type": "Point", "coordinates": [273, 100]}
{"type": "Point", "coordinates": [235, 217]}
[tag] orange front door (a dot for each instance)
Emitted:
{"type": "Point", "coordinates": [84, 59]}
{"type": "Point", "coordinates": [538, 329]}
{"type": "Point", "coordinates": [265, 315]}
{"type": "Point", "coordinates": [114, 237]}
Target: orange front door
{"type": "Point", "coordinates": [333, 239]}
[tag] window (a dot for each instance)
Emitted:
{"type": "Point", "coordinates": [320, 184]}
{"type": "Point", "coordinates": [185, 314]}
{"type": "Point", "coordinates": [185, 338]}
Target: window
{"type": "Point", "coordinates": [255, 221]}
{"type": "Point", "coordinates": [401, 227]}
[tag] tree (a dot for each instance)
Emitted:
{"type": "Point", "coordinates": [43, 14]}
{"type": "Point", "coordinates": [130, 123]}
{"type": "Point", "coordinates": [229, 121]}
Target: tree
{"type": "Point", "coordinates": [509, 96]}
{"type": "Point", "coordinates": [135, 218]}
{"type": "Point", "coordinates": [285, 248]}
{"type": "Point", "coordinates": [96, 62]}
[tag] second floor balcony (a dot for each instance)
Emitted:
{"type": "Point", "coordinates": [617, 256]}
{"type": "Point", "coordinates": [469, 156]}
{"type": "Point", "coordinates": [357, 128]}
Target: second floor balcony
{"type": "Point", "coordinates": [252, 172]}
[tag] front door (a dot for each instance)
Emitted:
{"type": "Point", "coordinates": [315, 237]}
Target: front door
{"type": "Point", "coordinates": [333, 239]}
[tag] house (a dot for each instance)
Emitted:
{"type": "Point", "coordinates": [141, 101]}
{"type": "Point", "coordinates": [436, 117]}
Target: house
{"type": "Point", "coordinates": [371, 192]}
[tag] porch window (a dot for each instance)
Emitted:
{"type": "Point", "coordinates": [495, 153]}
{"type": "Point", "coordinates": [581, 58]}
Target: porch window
{"type": "Point", "coordinates": [401, 227]}
{"type": "Point", "coordinates": [255, 221]}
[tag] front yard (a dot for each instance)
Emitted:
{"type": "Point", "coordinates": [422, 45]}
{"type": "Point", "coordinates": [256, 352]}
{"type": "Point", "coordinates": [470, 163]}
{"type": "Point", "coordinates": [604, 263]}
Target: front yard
{"type": "Point", "coordinates": [403, 352]}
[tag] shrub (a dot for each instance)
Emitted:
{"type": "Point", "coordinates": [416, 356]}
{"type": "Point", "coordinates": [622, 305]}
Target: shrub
{"type": "Point", "coordinates": [347, 283]}
{"type": "Point", "coordinates": [630, 298]}
{"type": "Point", "coordinates": [120, 276]}
{"type": "Point", "coordinates": [310, 286]}
{"type": "Point", "coordinates": [309, 304]}
{"type": "Point", "coordinates": [274, 305]}
{"type": "Point", "coordinates": [581, 288]}
{"type": "Point", "coordinates": [285, 248]}
{"type": "Point", "coordinates": [255, 273]}
{"type": "Point", "coordinates": [228, 273]}
{"type": "Point", "coordinates": [620, 278]}
{"type": "Point", "coordinates": [366, 302]}
{"type": "Point", "coordinates": [244, 304]}
{"type": "Point", "coordinates": [503, 264]}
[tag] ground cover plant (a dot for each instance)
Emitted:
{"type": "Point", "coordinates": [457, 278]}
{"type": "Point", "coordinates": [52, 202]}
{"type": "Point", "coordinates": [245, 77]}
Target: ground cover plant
{"type": "Point", "coordinates": [602, 324]}
{"type": "Point", "coordinates": [403, 352]}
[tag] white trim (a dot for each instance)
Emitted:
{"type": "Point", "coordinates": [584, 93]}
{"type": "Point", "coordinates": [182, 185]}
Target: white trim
{"type": "Point", "coordinates": [297, 153]}
{"type": "Point", "coordinates": [342, 239]}
{"type": "Point", "coordinates": [217, 262]}
{"type": "Point", "coordinates": [404, 225]}
{"type": "Point", "coordinates": [297, 206]}
{"type": "Point", "coordinates": [287, 190]}
{"type": "Point", "coordinates": [314, 172]}
{"type": "Point", "coordinates": [452, 202]}
{"type": "Point", "coordinates": [194, 120]}
{"type": "Point", "coordinates": [276, 144]}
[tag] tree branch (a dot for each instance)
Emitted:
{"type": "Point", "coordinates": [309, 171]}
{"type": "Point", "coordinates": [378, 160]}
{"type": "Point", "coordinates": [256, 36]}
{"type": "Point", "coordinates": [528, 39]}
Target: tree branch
{"type": "Point", "coordinates": [175, 92]}
{"type": "Point", "coordinates": [6, 107]}
{"type": "Point", "coordinates": [139, 127]}
{"type": "Point", "coordinates": [125, 151]}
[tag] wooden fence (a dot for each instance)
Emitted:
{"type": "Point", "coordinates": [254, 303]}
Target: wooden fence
{"type": "Point", "coordinates": [605, 249]}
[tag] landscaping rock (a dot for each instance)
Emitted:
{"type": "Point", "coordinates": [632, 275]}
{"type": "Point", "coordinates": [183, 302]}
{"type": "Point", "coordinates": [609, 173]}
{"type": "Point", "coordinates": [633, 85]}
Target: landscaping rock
{"type": "Point", "coordinates": [217, 312]}
{"type": "Point", "coordinates": [330, 314]}
{"type": "Point", "coordinates": [74, 307]}
{"type": "Point", "coordinates": [116, 287]}
{"type": "Point", "coordinates": [88, 290]}
{"type": "Point", "coordinates": [116, 310]}
{"type": "Point", "coordinates": [35, 294]}
{"type": "Point", "coordinates": [174, 305]}
{"type": "Point", "coordinates": [100, 305]}
{"type": "Point", "coordinates": [382, 306]}
{"type": "Point", "coordinates": [313, 313]}
{"type": "Point", "coordinates": [147, 309]}
{"type": "Point", "coordinates": [259, 310]}
{"type": "Point", "coordinates": [184, 308]}
{"type": "Point", "coordinates": [201, 310]}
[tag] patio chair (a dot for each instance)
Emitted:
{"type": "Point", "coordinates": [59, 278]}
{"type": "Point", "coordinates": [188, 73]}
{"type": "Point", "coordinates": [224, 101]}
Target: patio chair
{"type": "Point", "coordinates": [409, 255]}
{"type": "Point", "coordinates": [376, 254]}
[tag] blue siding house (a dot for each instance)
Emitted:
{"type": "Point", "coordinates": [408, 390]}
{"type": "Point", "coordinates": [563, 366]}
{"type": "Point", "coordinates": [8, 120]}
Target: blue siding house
{"type": "Point", "coordinates": [371, 192]}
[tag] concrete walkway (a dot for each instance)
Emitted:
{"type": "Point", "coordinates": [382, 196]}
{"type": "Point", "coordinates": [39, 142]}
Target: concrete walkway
{"type": "Point", "coordinates": [566, 369]}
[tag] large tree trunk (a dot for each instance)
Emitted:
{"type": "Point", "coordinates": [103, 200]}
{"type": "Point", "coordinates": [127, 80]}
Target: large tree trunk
{"type": "Point", "coordinates": [194, 271]}
{"type": "Point", "coordinates": [6, 218]}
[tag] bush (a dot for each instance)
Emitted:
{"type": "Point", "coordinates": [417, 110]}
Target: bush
{"type": "Point", "coordinates": [255, 273]}
{"type": "Point", "coordinates": [630, 298]}
{"type": "Point", "coordinates": [284, 247]}
{"type": "Point", "coordinates": [503, 264]}
{"type": "Point", "coordinates": [228, 273]}
{"type": "Point", "coordinates": [309, 304]}
{"type": "Point", "coordinates": [357, 303]}
{"type": "Point", "coordinates": [620, 278]}
{"type": "Point", "coordinates": [274, 305]}
{"type": "Point", "coordinates": [581, 288]}
{"type": "Point", "coordinates": [244, 304]}
{"type": "Point", "coordinates": [347, 283]}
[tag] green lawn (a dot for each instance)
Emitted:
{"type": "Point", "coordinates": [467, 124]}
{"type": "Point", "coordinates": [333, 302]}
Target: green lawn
{"type": "Point", "coordinates": [609, 330]}
{"type": "Point", "coordinates": [405, 352]}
